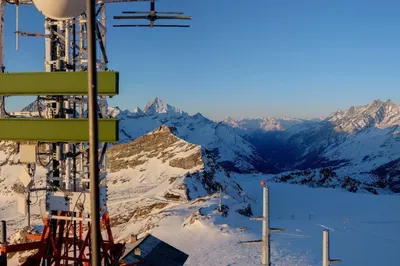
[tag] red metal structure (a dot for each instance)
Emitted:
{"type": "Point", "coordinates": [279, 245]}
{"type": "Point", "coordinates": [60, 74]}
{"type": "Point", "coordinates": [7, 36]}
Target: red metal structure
{"type": "Point", "coordinates": [60, 244]}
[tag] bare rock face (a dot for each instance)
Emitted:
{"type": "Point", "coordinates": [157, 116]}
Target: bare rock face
{"type": "Point", "coordinates": [188, 162]}
{"type": "Point", "coordinates": [160, 156]}
{"type": "Point", "coordinates": [161, 144]}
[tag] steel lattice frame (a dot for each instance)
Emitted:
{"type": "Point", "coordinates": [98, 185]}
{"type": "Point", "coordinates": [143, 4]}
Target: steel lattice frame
{"type": "Point", "coordinates": [66, 233]}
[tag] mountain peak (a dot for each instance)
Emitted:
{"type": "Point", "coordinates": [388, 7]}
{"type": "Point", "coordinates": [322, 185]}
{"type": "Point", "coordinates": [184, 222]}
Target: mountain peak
{"type": "Point", "coordinates": [378, 113]}
{"type": "Point", "coordinates": [158, 106]}
{"type": "Point", "coordinates": [165, 129]}
{"type": "Point", "coordinates": [33, 107]}
{"type": "Point", "coordinates": [138, 111]}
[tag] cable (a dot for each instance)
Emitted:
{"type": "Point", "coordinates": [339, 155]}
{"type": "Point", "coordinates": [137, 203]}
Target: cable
{"type": "Point", "coordinates": [38, 157]}
{"type": "Point", "coordinates": [9, 2]}
{"type": "Point", "coordinates": [4, 108]}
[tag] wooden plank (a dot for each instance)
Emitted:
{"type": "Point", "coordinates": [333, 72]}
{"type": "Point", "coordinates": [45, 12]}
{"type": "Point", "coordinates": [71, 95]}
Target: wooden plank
{"type": "Point", "coordinates": [56, 130]}
{"type": "Point", "coordinates": [56, 83]}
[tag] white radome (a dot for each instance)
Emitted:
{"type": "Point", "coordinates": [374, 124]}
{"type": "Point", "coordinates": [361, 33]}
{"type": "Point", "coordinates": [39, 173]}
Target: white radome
{"type": "Point", "coordinates": [60, 9]}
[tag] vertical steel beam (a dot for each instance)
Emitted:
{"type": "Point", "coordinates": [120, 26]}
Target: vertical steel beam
{"type": "Point", "coordinates": [325, 248]}
{"type": "Point", "coordinates": [326, 260]}
{"type": "Point", "coordinates": [2, 5]}
{"type": "Point", "coordinates": [266, 230]}
{"type": "Point", "coordinates": [3, 241]}
{"type": "Point", "coordinates": [3, 233]}
{"type": "Point", "coordinates": [2, 66]}
{"type": "Point", "coordinates": [93, 133]}
{"type": "Point", "coordinates": [265, 259]}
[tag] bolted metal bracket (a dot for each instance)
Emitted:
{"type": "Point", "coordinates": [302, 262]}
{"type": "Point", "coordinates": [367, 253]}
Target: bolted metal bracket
{"type": "Point", "coordinates": [276, 230]}
{"type": "Point", "coordinates": [251, 242]}
{"type": "Point", "coordinates": [334, 261]}
{"type": "Point", "coordinates": [257, 218]}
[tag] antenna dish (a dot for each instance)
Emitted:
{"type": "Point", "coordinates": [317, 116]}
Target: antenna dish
{"type": "Point", "coordinates": [60, 9]}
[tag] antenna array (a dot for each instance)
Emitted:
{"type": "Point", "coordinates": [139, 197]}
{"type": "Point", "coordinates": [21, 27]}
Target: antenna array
{"type": "Point", "coordinates": [56, 133]}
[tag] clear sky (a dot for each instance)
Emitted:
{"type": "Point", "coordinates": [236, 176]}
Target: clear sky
{"type": "Point", "coordinates": [245, 58]}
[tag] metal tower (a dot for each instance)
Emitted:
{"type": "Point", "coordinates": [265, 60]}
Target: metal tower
{"type": "Point", "coordinates": [56, 136]}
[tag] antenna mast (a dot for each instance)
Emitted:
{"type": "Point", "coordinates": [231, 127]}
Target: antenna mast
{"type": "Point", "coordinates": [62, 96]}
{"type": "Point", "coordinates": [152, 16]}
{"type": "Point", "coordinates": [2, 66]}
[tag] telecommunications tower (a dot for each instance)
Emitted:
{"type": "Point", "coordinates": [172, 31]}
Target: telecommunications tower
{"type": "Point", "coordinates": [56, 134]}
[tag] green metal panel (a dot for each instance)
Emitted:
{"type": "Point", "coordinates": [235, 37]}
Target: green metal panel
{"type": "Point", "coordinates": [57, 83]}
{"type": "Point", "coordinates": [56, 130]}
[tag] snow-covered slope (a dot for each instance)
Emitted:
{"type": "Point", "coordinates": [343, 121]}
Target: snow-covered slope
{"type": "Point", "coordinates": [183, 170]}
{"type": "Point", "coordinates": [230, 149]}
{"type": "Point", "coordinates": [166, 186]}
{"type": "Point", "coordinates": [358, 226]}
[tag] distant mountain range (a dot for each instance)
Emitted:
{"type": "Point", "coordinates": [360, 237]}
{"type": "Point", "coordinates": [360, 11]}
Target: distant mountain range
{"type": "Point", "coordinates": [361, 142]}
{"type": "Point", "coordinates": [357, 142]}
{"type": "Point", "coordinates": [227, 146]}
{"type": "Point", "coordinates": [254, 125]}
{"type": "Point", "coordinates": [178, 173]}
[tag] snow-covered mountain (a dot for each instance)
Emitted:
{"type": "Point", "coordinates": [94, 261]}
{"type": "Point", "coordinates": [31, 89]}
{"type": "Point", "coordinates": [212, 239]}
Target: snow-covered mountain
{"type": "Point", "coordinates": [229, 148]}
{"type": "Point", "coordinates": [377, 114]}
{"type": "Point", "coordinates": [355, 142]}
{"type": "Point", "coordinates": [162, 184]}
{"type": "Point", "coordinates": [265, 124]}
{"type": "Point", "coordinates": [359, 142]}
{"type": "Point", "coordinates": [158, 106]}
{"type": "Point", "coordinates": [149, 179]}
{"type": "Point", "coordinates": [186, 170]}
{"type": "Point", "coordinates": [32, 107]}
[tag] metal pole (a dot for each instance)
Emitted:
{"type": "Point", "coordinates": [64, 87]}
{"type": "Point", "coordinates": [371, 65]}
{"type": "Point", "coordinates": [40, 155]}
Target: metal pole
{"type": "Point", "coordinates": [326, 260]}
{"type": "Point", "coordinates": [220, 198]}
{"type": "Point", "coordinates": [3, 241]}
{"type": "Point", "coordinates": [2, 67]}
{"type": "Point", "coordinates": [325, 248]}
{"type": "Point", "coordinates": [74, 145]}
{"type": "Point", "coordinates": [28, 207]}
{"type": "Point", "coordinates": [3, 235]}
{"type": "Point", "coordinates": [48, 45]}
{"type": "Point", "coordinates": [2, 5]}
{"type": "Point", "coordinates": [93, 133]}
{"type": "Point", "coordinates": [266, 230]}
{"type": "Point", "coordinates": [67, 150]}
{"type": "Point", "coordinates": [265, 259]}
{"type": "Point", "coordinates": [17, 25]}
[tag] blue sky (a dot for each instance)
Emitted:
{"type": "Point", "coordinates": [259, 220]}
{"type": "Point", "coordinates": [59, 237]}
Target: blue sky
{"type": "Point", "coordinates": [245, 58]}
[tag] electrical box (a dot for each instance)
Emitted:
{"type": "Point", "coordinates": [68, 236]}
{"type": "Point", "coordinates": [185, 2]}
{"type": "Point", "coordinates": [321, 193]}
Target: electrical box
{"type": "Point", "coordinates": [28, 153]}
{"type": "Point", "coordinates": [22, 204]}
{"type": "Point", "coordinates": [25, 178]}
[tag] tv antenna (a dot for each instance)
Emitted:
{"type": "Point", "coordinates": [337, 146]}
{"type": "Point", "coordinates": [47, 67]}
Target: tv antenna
{"type": "Point", "coordinates": [152, 16]}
